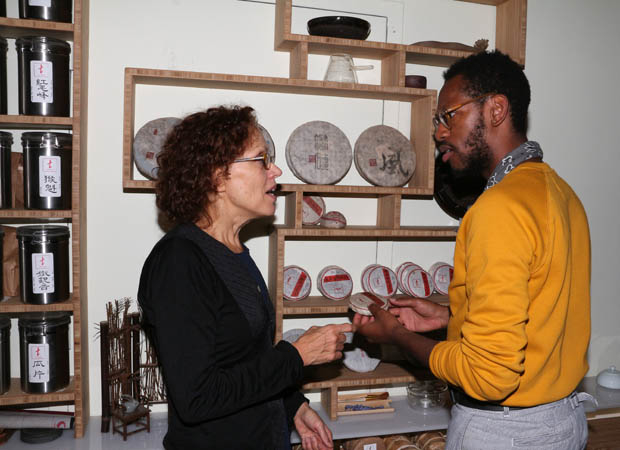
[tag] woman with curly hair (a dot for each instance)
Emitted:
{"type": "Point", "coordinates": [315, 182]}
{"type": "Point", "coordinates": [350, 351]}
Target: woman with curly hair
{"type": "Point", "coordinates": [205, 303]}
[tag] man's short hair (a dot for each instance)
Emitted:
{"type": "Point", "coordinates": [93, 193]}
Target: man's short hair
{"type": "Point", "coordinates": [494, 71]}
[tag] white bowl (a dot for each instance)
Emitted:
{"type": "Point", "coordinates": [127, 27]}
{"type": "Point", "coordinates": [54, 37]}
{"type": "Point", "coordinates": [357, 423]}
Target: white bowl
{"type": "Point", "coordinates": [609, 378]}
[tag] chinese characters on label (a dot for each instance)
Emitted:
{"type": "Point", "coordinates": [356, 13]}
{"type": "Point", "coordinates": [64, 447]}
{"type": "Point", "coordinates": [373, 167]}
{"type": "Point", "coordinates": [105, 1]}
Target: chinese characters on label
{"type": "Point", "coordinates": [41, 82]}
{"type": "Point", "coordinates": [43, 273]}
{"type": "Point", "coordinates": [49, 176]}
{"type": "Point", "coordinates": [38, 363]}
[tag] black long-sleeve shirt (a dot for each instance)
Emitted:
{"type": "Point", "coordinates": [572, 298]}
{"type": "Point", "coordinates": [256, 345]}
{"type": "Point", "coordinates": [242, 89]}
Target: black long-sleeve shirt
{"type": "Point", "coordinates": [228, 386]}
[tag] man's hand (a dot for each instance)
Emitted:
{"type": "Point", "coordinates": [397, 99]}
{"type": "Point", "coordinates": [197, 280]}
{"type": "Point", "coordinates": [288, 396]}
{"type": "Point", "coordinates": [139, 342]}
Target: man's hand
{"type": "Point", "coordinates": [383, 329]}
{"type": "Point", "coordinates": [419, 314]}
{"type": "Point", "coordinates": [312, 430]}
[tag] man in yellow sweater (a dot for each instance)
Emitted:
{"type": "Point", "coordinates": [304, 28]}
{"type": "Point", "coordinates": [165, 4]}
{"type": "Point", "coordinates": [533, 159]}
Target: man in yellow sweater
{"type": "Point", "coordinates": [518, 324]}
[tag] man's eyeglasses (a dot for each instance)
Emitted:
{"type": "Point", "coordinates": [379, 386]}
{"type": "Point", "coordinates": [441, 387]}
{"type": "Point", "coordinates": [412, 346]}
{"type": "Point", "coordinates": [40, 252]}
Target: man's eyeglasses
{"type": "Point", "coordinates": [264, 157]}
{"type": "Point", "coordinates": [444, 117]}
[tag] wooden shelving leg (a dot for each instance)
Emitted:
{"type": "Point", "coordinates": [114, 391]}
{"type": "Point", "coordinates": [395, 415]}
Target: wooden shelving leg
{"type": "Point", "coordinates": [511, 28]}
{"type": "Point", "coordinates": [393, 70]}
{"type": "Point", "coordinates": [298, 64]}
{"type": "Point", "coordinates": [388, 211]}
{"type": "Point", "coordinates": [329, 400]}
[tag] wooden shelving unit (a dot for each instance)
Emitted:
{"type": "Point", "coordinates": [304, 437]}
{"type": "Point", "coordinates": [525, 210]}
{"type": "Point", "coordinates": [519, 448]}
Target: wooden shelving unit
{"type": "Point", "coordinates": [394, 57]}
{"type": "Point", "coordinates": [77, 391]}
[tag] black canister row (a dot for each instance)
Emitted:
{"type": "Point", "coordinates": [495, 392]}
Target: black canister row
{"type": "Point", "coordinates": [43, 352]}
{"type": "Point", "coordinates": [44, 76]}
{"type": "Point", "coordinates": [47, 170]}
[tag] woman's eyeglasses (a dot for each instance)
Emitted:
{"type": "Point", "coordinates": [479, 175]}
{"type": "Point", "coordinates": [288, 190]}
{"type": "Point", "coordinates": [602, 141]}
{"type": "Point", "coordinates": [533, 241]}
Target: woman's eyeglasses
{"type": "Point", "coordinates": [264, 157]}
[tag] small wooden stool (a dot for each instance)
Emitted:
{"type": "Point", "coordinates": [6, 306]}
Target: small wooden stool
{"type": "Point", "coordinates": [141, 418]}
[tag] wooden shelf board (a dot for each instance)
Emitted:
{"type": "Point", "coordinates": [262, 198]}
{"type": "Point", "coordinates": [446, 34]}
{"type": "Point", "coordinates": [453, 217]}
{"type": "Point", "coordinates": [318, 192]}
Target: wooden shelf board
{"type": "Point", "coordinates": [415, 54]}
{"type": "Point", "coordinates": [336, 375]}
{"type": "Point", "coordinates": [353, 191]}
{"type": "Point", "coordinates": [15, 395]}
{"type": "Point", "coordinates": [368, 232]}
{"type": "Point", "coordinates": [35, 214]}
{"type": "Point", "coordinates": [15, 305]}
{"type": "Point", "coordinates": [485, 2]}
{"type": "Point", "coordinates": [13, 28]}
{"type": "Point", "coordinates": [275, 85]}
{"type": "Point", "coordinates": [35, 122]}
{"type": "Point", "coordinates": [315, 305]}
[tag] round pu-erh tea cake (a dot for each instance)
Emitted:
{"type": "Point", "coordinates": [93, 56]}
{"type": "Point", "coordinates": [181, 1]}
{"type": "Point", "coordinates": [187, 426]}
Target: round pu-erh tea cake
{"type": "Point", "coordinates": [384, 156]}
{"type": "Point", "coordinates": [149, 142]}
{"type": "Point", "coordinates": [318, 152]}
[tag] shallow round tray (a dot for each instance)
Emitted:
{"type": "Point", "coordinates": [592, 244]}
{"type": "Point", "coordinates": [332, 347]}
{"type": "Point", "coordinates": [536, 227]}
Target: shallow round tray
{"type": "Point", "coordinates": [344, 27]}
{"type": "Point", "coordinates": [384, 156]}
{"type": "Point", "coordinates": [149, 142]}
{"type": "Point", "coordinates": [319, 152]}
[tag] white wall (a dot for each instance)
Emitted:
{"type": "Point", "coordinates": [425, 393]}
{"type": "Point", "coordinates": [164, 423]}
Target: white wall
{"type": "Point", "coordinates": [236, 37]}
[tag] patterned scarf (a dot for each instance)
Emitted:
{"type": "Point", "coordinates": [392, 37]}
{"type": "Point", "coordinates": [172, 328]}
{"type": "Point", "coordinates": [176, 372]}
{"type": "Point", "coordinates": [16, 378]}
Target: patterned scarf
{"type": "Point", "coordinates": [522, 153]}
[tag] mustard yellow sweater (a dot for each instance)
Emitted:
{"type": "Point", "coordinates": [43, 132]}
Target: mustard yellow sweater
{"type": "Point", "coordinates": [520, 297]}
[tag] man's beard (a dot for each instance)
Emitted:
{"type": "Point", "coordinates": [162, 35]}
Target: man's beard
{"type": "Point", "coordinates": [479, 159]}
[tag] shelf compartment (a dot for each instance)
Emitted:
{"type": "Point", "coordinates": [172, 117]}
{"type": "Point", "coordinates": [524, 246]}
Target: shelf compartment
{"type": "Point", "coordinates": [16, 306]}
{"type": "Point", "coordinates": [35, 214]}
{"type": "Point", "coordinates": [422, 102]}
{"type": "Point", "coordinates": [14, 28]}
{"type": "Point", "coordinates": [329, 378]}
{"type": "Point", "coordinates": [15, 395]}
{"type": "Point", "coordinates": [316, 305]}
{"type": "Point", "coordinates": [35, 122]}
{"type": "Point", "coordinates": [337, 190]}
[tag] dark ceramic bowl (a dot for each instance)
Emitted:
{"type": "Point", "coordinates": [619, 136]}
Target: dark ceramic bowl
{"type": "Point", "coordinates": [344, 27]}
{"type": "Point", "coordinates": [415, 81]}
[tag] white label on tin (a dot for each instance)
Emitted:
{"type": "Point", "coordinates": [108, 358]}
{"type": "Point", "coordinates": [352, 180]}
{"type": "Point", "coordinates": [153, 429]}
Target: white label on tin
{"type": "Point", "coordinates": [38, 363]}
{"type": "Point", "coordinates": [43, 273]}
{"type": "Point", "coordinates": [41, 82]}
{"type": "Point", "coordinates": [44, 3]}
{"type": "Point", "coordinates": [49, 176]}
{"type": "Point", "coordinates": [370, 446]}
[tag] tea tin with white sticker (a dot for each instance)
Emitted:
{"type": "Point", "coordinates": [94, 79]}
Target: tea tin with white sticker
{"type": "Point", "coordinates": [366, 274]}
{"type": "Point", "coordinates": [333, 219]}
{"type": "Point", "coordinates": [335, 283]}
{"type": "Point", "coordinates": [297, 283]}
{"type": "Point", "coordinates": [319, 152]}
{"type": "Point", "coordinates": [419, 283]}
{"type": "Point", "coordinates": [382, 281]}
{"type": "Point", "coordinates": [312, 209]}
{"type": "Point", "coordinates": [400, 269]}
{"type": "Point", "coordinates": [441, 274]}
{"type": "Point", "coordinates": [362, 300]}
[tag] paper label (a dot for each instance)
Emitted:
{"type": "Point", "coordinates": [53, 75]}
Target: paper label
{"type": "Point", "coordinates": [49, 176]}
{"type": "Point", "coordinates": [44, 3]}
{"type": "Point", "coordinates": [41, 82]}
{"type": "Point", "coordinates": [370, 447]}
{"type": "Point", "coordinates": [43, 273]}
{"type": "Point", "coordinates": [38, 363]}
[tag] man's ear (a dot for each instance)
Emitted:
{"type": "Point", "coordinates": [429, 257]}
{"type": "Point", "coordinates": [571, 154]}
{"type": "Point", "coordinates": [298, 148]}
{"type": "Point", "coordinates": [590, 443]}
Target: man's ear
{"type": "Point", "coordinates": [500, 109]}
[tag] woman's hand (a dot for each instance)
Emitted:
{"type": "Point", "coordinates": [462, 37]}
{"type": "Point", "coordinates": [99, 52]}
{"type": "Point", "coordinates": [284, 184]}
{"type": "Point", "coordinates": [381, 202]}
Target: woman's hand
{"type": "Point", "coordinates": [312, 430]}
{"type": "Point", "coordinates": [419, 314]}
{"type": "Point", "coordinates": [320, 345]}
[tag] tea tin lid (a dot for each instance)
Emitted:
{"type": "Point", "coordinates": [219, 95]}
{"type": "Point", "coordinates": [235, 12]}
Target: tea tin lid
{"type": "Point", "coordinates": [335, 283]}
{"type": "Point", "coordinates": [419, 283]}
{"type": "Point", "coordinates": [42, 44]}
{"type": "Point", "coordinates": [43, 232]}
{"type": "Point", "coordinates": [5, 323]}
{"type": "Point", "coordinates": [38, 139]}
{"type": "Point", "coordinates": [312, 209]}
{"type": "Point", "coordinates": [319, 153]}
{"type": "Point", "coordinates": [44, 320]}
{"type": "Point", "coordinates": [149, 142]}
{"type": "Point", "coordinates": [382, 281]}
{"type": "Point", "coordinates": [442, 274]}
{"type": "Point", "coordinates": [359, 302]}
{"type": "Point", "coordinates": [384, 156]}
{"type": "Point", "coordinates": [297, 283]}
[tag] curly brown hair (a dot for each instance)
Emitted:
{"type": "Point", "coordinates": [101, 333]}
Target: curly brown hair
{"type": "Point", "coordinates": [193, 152]}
